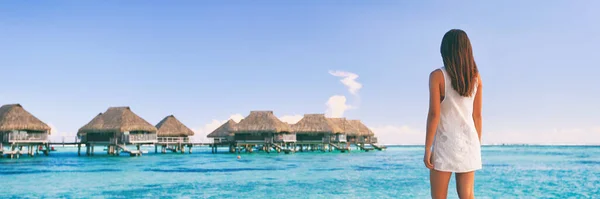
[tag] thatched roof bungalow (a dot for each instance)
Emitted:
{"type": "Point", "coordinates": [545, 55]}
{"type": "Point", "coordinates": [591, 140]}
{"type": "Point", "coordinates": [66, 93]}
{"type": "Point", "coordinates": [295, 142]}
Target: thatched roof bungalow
{"type": "Point", "coordinates": [95, 123]}
{"type": "Point", "coordinates": [346, 126]}
{"type": "Point", "coordinates": [118, 124]}
{"type": "Point", "coordinates": [315, 128]}
{"type": "Point", "coordinates": [262, 126]}
{"type": "Point", "coordinates": [172, 127]}
{"type": "Point", "coordinates": [224, 132]}
{"type": "Point", "coordinates": [364, 133]}
{"type": "Point", "coordinates": [19, 126]}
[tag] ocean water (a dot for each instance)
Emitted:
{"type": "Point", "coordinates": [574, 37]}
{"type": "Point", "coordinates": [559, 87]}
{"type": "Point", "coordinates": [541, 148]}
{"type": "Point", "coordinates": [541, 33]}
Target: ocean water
{"type": "Point", "coordinates": [508, 172]}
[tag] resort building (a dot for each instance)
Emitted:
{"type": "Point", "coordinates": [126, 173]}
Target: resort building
{"type": "Point", "coordinates": [263, 128]}
{"type": "Point", "coordinates": [173, 135]}
{"type": "Point", "coordinates": [316, 132]}
{"type": "Point", "coordinates": [18, 129]}
{"type": "Point", "coordinates": [223, 136]}
{"type": "Point", "coordinates": [116, 128]}
{"type": "Point", "coordinates": [365, 136]}
{"type": "Point", "coordinates": [348, 129]}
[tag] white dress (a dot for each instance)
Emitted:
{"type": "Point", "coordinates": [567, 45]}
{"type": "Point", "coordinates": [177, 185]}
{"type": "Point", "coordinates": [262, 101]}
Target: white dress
{"type": "Point", "coordinates": [456, 146]}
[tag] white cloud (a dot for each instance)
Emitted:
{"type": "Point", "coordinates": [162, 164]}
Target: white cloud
{"type": "Point", "coordinates": [236, 117]}
{"type": "Point", "coordinates": [396, 134]}
{"type": "Point", "coordinates": [336, 106]}
{"type": "Point", "coordinates": [291, 119]}
{"type": "Point", "coordinates": [349, 80]}
{"type": "Point", "coordinates": [201, 132]}
{"type": "Point", "coordinates": [53, 129]}
{"type": "Point", "coordinates": [391, 134]}
{"type": "Point", "coordinates": [549, 136]}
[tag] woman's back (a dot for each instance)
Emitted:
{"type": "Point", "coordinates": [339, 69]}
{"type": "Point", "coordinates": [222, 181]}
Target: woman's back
{"type": "Point", "coordinates": [456, 145]}
{"type": "Point", "coordinates": [453, 138]}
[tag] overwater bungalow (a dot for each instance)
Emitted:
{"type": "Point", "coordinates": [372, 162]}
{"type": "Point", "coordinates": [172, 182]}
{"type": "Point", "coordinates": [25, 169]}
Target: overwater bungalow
{"type": "Point", "coordinates": [315, 131]}
{"type": "Point", "coordinates": [173, 135]}
{"type": "Point", "coordinates": [116, 128]}
{"type": "Point", "coordinates": [223, 136]}
{"type": "Point", "coordinates": [348, 129]}
{"type": "Point", "coordinates": [19, 128]}
{"type": "Point", "coordinates": [263, 128]}
{"type": "Point", "coordinates": [365, 136]}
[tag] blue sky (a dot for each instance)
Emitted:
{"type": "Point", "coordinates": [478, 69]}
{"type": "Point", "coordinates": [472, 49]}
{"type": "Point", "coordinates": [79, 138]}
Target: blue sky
{"type": "Point", "coordinates": [66, 61]}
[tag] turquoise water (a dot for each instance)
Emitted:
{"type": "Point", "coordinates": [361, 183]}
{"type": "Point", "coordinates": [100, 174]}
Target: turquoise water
{"type": "Point", "coordinates": [508, 172]}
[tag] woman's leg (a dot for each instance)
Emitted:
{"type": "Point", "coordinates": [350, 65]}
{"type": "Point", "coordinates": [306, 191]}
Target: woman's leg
{"type": "Point", "coordinates": [439, 183]}
{"type": "Point", "coordinates": [464, 185]}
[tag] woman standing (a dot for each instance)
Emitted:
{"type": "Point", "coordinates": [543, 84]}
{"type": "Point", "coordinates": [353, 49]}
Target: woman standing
{"type": "Point", "coordinates": [453, 140]}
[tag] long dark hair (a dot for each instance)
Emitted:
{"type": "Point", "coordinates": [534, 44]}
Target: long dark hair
{"type": "Point", "coordinates": [457, 54]}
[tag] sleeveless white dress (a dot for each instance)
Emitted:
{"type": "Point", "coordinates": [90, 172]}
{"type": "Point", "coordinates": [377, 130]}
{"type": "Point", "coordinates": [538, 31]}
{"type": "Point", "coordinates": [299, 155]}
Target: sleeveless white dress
{"type": "Point", "coordinates": [456, 146]}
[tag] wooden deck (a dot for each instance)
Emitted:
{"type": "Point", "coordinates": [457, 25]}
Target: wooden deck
{"type": "Point", "coordinates": [248, 146]}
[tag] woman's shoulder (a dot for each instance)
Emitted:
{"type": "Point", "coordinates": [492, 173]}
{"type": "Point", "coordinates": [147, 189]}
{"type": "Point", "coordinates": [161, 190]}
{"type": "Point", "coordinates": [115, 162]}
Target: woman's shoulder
{"type": "Point", "coordinates": [436, 74]}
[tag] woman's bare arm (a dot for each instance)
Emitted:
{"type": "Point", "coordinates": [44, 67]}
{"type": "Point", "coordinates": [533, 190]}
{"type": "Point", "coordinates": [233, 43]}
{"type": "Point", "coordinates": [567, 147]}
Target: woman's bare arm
{"type": "Point", "coordinates": [477, 107]}
{"type": "Point", "coordinates": [433, 118]}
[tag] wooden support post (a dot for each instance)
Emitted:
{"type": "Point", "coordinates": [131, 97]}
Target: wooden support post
{"type": "Point", "coordinates": [10, 149]}
{"type": "Point", "coordinates": [182, 149]}
{"type": "Point", "coordinates": [191, 146]}
{"type": "Point", "coordinates": [78, 149]}
{"type": "Point", "coordinates": [92, 149]}
{"type": "Point", "coordinates": [155, 148]}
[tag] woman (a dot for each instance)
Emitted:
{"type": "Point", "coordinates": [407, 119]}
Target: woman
{"type": "Point", "coordinates": [453, 140]}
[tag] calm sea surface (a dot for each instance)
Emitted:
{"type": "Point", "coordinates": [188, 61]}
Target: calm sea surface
{"type": "Point", "coordinates": [508, 172]}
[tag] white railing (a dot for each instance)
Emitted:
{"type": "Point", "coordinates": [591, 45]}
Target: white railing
{"type": "Point", "coordinates": [23, 136]}
{"type": "Point", "coordinates": [268, 140]}
{"type": "Point", "coordinates": [340, 138]}
{"type": "Point", "coordinates": [173, 139]}
{"type": "Point", "coordinates": [373, 139]}
{"type": "Point", "coordinates": [285, 138]}
{"type": "Point", "coordinates": [133, 138]}
{"type": "Point", "coordinates": [63, 139]}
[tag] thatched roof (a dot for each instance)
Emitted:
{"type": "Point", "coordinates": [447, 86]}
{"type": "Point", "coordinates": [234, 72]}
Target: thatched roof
{"type": "Point", "coordinates": [15, 117]}
{"type": "Point", "coordinates": [316, 123]}
{"type": "Point", "coordinates": [362, 128]}
{"type": "Point", "coordinates": [224, 130]}
{"type": "Point", "coordinates": [117, 119]}
{"type": "Point", "coordinates": [96, 123]}
{"type": "Point", "coordinates": [345, 125]}
{"type": "Point", "coordinates": [171, 126]}
{"type": "Point", "coordinates": [261, 121]}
